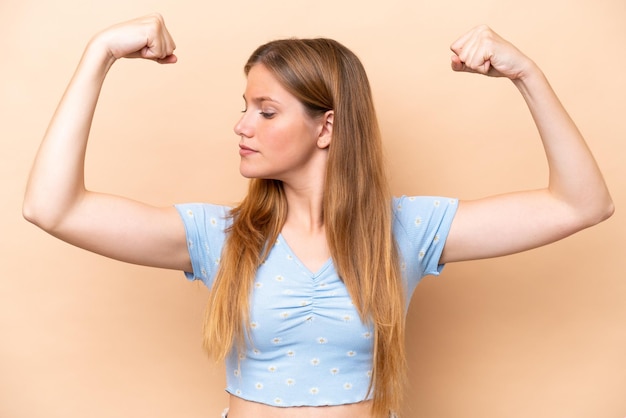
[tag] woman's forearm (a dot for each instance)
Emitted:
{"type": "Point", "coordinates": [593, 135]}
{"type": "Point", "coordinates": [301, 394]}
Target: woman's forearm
{"type": "Point", "coordinates": [56, 180]}
{"type": "Point", "coordinates": [574, 176]}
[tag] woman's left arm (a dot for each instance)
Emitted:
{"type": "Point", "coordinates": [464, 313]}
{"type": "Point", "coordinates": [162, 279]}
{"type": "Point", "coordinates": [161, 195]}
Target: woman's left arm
{"type": "Point", "coordinates": [576, 195]}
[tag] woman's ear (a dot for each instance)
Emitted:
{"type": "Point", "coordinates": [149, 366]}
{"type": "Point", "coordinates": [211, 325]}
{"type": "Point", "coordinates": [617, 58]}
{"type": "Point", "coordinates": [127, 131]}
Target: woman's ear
{"type": "Point", "coordinates": [326, 133]}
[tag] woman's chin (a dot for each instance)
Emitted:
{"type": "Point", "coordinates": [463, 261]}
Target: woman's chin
{"type": "Point", "coordinates": [249, 174]}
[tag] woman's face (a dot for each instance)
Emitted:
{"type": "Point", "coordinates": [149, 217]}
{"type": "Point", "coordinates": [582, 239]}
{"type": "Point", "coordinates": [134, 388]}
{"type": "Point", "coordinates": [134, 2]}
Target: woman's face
{"type": "Point", "coordinates": [279, 140]}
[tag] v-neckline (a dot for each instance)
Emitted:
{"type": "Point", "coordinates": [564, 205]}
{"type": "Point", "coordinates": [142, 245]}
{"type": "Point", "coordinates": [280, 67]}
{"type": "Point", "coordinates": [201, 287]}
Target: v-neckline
{"type": "Point", "coordinates": [300, 263]}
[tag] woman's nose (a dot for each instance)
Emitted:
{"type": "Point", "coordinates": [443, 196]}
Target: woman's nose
{"type": "Point", "coordinates": [242, 128]}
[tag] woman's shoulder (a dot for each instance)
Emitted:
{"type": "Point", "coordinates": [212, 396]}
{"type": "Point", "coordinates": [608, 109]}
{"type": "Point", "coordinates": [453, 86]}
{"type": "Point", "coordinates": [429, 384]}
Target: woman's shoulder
{"type": "Point", "coordinates": [205, 213]}
{"type": "Point", "coordinates": [423, 212]}
{"type": "Point", "coordinates": [426, 203]}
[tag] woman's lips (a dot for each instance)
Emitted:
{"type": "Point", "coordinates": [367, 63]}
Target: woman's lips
{"type": "Point", "coordinates": [244, 150]}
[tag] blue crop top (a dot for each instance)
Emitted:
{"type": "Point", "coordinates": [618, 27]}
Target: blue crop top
{"type": "Point", "coordinates": [309, 346]}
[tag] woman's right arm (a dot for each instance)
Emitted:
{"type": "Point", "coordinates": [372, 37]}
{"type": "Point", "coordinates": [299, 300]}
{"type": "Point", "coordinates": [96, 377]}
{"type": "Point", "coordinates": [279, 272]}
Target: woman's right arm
{"type": "Point", "coordinates": [56, 199]}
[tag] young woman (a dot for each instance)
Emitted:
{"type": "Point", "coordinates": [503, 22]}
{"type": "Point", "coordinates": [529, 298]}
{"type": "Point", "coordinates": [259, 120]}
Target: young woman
{"type": "Point", "coordinates": [311, 274]}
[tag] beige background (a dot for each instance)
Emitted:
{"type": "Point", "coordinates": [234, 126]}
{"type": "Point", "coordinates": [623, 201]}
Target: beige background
{"type": "Point", "coordinates": [539, 334]}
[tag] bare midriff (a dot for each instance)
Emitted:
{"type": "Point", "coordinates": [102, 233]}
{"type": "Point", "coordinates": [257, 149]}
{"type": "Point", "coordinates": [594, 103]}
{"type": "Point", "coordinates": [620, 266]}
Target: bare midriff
{"type": "Point", "coordinates": [240, 408]}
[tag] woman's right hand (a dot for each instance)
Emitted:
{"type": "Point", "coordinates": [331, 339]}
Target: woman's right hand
{"type": "Point", "coordinates": [144, 37]}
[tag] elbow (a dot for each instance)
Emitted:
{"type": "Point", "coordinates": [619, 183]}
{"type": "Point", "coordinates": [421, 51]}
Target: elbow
{"type": "Point", "coordinates": [609, 210]}
{"type": "Point", "coordinates": [28, 210]}
{"type": "Point", "coordinates": [606, 209]}
{"type": "Point", "coordinates": [32, 207]}
{"type": "Point", "coordinates": [49, 210]}
{"type": "Point", "coordinates": [32, 214]}
{"type": "Point", "coordinates": [37, 215]}
{"type": "Point", "coordinates": [599, 213]}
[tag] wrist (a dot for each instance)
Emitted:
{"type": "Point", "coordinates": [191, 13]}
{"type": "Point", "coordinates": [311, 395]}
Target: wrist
{"type": "Point", "coordinates": [98, 53]}
{"type": "Point", "coordinates": [529, 71]}
{"type": "Point", "coordinates": [531, 82]}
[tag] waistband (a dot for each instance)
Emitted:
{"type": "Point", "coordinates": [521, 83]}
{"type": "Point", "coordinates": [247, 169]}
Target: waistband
{"type": "Point", "coordinates": [225, 414]}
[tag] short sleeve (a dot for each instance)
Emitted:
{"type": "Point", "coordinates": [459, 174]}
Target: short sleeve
{"type": "Point", "coordinates": [421, 227]}
{"type": "Point", "coordinates": [205, 227]}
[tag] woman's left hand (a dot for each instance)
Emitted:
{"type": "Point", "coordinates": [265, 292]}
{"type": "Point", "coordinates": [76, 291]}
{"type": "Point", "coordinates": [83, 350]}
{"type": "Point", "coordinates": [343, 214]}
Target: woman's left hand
{"type": "Point", "coordinates": [483, 51]}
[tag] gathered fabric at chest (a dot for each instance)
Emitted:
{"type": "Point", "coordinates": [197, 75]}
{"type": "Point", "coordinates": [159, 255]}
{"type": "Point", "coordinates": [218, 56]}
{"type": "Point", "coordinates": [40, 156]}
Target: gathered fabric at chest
{"type": "Point", "coordinates": [305, 331]}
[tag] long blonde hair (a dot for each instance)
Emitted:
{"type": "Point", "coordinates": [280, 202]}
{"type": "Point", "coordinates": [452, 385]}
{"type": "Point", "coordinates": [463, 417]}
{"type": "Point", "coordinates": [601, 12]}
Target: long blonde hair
{"type": "Point", "coordinates": [324, 75]}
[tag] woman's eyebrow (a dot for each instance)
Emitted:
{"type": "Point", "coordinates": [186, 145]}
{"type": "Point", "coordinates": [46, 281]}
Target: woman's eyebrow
{"type": "Point", "coordinates": [261, 99]}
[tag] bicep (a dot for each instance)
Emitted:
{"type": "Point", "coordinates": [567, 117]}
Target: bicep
{"type": "Point", "coordinates": [507, 224]}
{"type": "Point", "coordinates": [127, 230]}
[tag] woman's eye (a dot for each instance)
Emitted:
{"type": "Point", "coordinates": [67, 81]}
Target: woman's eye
{"type": "Point", "coordinates": [245, 110]}
{"type": "Point", "coordinates": [267, 115]}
